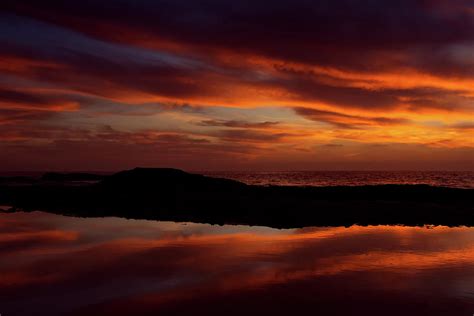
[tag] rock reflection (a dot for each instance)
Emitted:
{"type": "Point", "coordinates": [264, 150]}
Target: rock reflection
{"type": "Point", "coordinates": [63, 265]}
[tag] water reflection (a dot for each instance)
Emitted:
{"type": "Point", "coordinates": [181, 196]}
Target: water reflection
{"type": "Point", "coordinates": [63, 265]}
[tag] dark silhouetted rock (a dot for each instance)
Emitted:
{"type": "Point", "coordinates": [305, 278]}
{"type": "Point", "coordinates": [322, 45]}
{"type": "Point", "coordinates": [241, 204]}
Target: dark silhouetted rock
{"type": "Point", "coordinates": [171, 194]}
{"type": "Point", "coordinates": [151, 179]}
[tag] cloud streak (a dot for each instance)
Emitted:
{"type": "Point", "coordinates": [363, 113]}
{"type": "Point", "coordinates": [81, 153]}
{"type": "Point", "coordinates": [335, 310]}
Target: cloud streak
{"type": "Point", "coordinates": [348, 121]}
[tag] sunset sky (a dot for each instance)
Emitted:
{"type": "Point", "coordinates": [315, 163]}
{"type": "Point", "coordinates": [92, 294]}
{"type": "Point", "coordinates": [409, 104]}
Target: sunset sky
{"type": "Point", "coordinates": [237, 85]}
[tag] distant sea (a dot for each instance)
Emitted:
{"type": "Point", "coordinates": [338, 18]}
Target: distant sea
{"type": "Point", "coordinates": [454, 179]}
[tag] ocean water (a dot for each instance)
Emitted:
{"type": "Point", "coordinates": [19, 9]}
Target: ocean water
{"type": "Point", "coordinates": [454, 179]}
{"type": "Point", "coordinates": [57, 265]}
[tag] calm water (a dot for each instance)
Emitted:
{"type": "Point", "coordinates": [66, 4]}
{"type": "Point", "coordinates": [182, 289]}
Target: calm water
{"type": "Point", "coordinates": [52, 265]}
{"type": "Point", "coordinates": [458, 179]}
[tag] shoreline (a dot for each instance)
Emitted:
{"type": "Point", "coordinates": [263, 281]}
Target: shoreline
{"type": "Point", "coordinates": [174, 195]}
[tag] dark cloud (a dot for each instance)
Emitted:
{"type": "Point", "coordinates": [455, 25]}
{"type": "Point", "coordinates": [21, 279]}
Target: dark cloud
{"type": "Point", "coordinates": [362, 35]}
{"type": "Point", "coordinates": [238, 124]}
{"type": "Point", "coordinates": [307, 85]}
{"type": "Point", "coordinates": [248, 135]}
{"type": "Point", "coordinates": [97, 67]}
{"type": "Point", "coordinates": [20, 106]}
{"type": "Point", "coordinates": [11, 116]}
{"type": "Point", "coordinates": [112, 70]}
{"type": "Point", "coordinates": [347, 121]}
{"type": "Point", "coordinates": [332, 145]}
{"type": "Point", "coordinates": [463, 125]}
{"type": "Point", "coordinates": [17, 99]}
{"type": "Point", "coordinates": [12, 96]}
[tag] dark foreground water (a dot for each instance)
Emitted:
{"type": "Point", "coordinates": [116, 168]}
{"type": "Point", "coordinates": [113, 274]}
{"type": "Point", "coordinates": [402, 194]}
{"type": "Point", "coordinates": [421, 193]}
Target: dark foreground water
{"type": "Point", "coordinates": [454, 179]}
{"type": "Point", "coordinates": [51, 265]}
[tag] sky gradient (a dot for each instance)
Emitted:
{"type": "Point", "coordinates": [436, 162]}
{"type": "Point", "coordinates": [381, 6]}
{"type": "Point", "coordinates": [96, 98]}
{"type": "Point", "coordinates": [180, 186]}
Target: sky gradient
{"type": "Point", "coordinates": [237, 85]}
